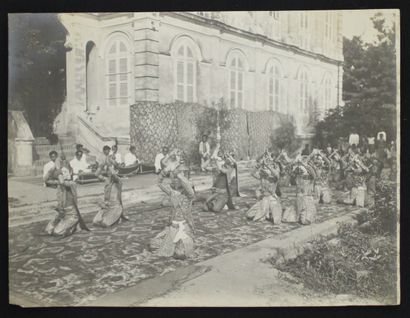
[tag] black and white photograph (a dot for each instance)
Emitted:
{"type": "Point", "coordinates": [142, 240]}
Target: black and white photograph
{"type": "Point", "coordinates": [204, 158]}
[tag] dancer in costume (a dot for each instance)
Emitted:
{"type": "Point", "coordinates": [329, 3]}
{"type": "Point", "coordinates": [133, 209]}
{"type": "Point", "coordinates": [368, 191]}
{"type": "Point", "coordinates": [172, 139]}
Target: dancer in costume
{"type": "Point", "coordinates": [303, 209]}
{"type": "Point", "coordinates": [355, 176]}
{"type": "Point", "coordinates": [112, 210]}
{"type": "Point", "coordinates": [225, 184]}
{"type": "Point", "coordinates": [177, 239]}
{"type": "Point", "coordinates": [323, 170]}
{"type": "Point", "coordinates": [69, 218]}
{"type": "Point", "coordinates": [268, 206]}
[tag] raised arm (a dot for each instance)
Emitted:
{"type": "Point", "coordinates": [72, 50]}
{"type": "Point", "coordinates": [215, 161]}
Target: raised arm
{"type": "Point", "coordinates": [186, 185]}
{"type": "Point", "coordinates": [164, 187]}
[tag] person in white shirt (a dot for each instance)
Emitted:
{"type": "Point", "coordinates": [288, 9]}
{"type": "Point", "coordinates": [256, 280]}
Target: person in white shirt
{"type": "Point", "coordinates": [49, 165]}
{"type": "Point", "coordinates": [354, 139]}
{"type": "Point", "coordinates": [115, 154]}
{"type": "Point", "coordinates": [158, 158]}
{"type": "Point", "coordinates": [78, 165]}
{"type": "Point", "coordinates": [204, 152]}
{"type": "Point", "coordinates": [80, 147]}
{"type": "Point", "coordinates": [130, 158]}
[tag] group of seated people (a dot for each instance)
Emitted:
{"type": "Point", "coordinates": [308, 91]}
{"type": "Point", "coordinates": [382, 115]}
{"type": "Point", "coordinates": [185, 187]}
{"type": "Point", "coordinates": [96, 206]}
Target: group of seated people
{"type": "Point", "coordinates": [81, 165]}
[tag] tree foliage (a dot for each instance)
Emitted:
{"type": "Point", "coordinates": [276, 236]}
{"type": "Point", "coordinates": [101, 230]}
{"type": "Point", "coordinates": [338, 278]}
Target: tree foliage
{"type": "Point", "coordinates": [284, 137]}
{"type": "Point", "coordinates": [369, 88]}
{"type": "Point", "coordinates": [36, 68]}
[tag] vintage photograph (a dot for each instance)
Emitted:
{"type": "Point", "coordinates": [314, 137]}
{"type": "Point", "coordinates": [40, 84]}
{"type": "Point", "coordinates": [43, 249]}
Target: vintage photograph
{"type": "Point", "coordinates": [196, 159]}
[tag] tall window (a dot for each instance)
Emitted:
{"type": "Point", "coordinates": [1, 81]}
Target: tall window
{"type": "Point", "coordinates": [118, 73]}
{"type": "Point", "coordinates": [303, 90]}
{"type": "Point", "coordinates": [304, 34]}
{"type": "Point", "coordinates": [185, 65]}
{"type": "Point", "coordinates": [328, 25]}
{"type": "Point", "coordinates": [274, 77]}
{"type": "Point", "coordinates": [327, 93]}
{"type": "Point", "coordinates": [236, 71]}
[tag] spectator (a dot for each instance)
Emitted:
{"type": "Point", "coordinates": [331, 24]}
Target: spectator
{"type": "Point", "coordinates": [354, 138]}
{"type": "Point", "coordinates": [159, 157]}
{"type": "Point", "coordinates": [306, 150]}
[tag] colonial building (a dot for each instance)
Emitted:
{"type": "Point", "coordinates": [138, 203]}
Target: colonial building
{"type": "Point", "coordinates": [289, 62]}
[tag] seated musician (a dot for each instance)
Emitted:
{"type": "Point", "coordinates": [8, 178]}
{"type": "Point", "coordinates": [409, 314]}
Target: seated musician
{"type": "Point", "coordinates": [48, 167]}
{"type": "Point", "coordinates": [163, 155]}
{"type": "Point", "coordinates": [130, 159]}
{"type": "Point", "coordinates": [79, 166]}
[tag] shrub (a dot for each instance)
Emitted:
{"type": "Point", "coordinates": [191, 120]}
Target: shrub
{"type": "Point", "coordinates": [360, 260]}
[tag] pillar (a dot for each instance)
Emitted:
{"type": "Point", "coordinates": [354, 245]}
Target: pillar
{"type": "Point", "coordinates": [146, 68]}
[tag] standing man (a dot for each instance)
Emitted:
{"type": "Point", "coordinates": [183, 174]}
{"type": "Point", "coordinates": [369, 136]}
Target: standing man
{"type": "Point", "coordinates": [354, 138]}
{"type": "Point", "coordinates": [158, 159]}
{"type": "Point", "coordinates": [306, 150]}
{"type": "Point", "coordinates": [204, 152]}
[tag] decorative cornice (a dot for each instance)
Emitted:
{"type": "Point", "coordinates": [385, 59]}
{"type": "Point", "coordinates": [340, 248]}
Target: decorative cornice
{"type": "Point", "coordinates": [225, 28]}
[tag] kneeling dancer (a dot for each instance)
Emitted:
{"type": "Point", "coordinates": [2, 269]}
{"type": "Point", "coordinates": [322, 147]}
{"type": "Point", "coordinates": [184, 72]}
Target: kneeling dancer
{"type": "Point", "coordinates": [303, 209]}
{"type": "Point", "coordinates": [322, 189]}
{"type": "Point", "coordinates": [268, 206]}
{"type": "Point", "coordinates": [225, 185]}
{"type": "Point", "coordinates": [69, 218]}
{"type": "Point", "coordinates": [112, 209]}
{"type": "Point", "coordinates": [356, 171]}
{"type": "Point", "coordinates": [177, 239]}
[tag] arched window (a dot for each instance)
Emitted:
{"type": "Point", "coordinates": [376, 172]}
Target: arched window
{"type": "Point", "coordinates": [118, 72]}
{"type": "Point", "coordinates": [274, 86]}
{"type": "Point", "coordinates": [236, 77]}
{"type": "Point", "coordinates": [185, 70]}
{"type": "Point", "coordinates": [327, 98]}
{"type": "Point", "coordinates": [303, 90]}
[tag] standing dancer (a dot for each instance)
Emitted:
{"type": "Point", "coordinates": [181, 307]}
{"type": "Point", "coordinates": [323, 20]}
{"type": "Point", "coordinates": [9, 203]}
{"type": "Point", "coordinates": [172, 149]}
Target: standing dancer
{"type": "Point", "coordinates": [69, 218]}
{"type": "Point", "coordinates": [112, 209]}
{"type": "Point", "coordinates": [177, 239]}
{"type": "Point", "coordinates": [268, 205]}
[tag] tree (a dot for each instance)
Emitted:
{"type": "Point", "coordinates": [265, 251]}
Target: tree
{"type": "Point", "coordinates": [284, 137]}
{"type": "Point", "coordinates": [37, 68]}
{"type": "Point", "coordinates": [369, 88]}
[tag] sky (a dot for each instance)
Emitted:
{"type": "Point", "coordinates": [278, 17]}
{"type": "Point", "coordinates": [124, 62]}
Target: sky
{"type": "Point", "coordinates": [357, 22]}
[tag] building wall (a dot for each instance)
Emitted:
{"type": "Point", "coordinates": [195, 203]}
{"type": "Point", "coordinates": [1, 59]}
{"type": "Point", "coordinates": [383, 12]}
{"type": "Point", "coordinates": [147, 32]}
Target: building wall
{"type": "Point", "coordinates": [260, 37]}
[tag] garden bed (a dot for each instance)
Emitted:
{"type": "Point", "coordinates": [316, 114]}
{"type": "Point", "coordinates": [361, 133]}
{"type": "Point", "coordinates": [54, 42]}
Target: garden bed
{"type": "Point", "coordinates": [359, 260]}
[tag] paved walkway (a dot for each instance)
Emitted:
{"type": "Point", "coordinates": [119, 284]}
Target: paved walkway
{"type": "Point", "coordinates": [26, 191]}
{"type": "Point", "coordinates": [79, 269]}
{"type": "Point", "coordinates": [244, 277]}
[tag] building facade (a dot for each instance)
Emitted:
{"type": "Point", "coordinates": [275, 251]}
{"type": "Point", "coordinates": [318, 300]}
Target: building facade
{"type": "Point", "coordinates": [289, 62]}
